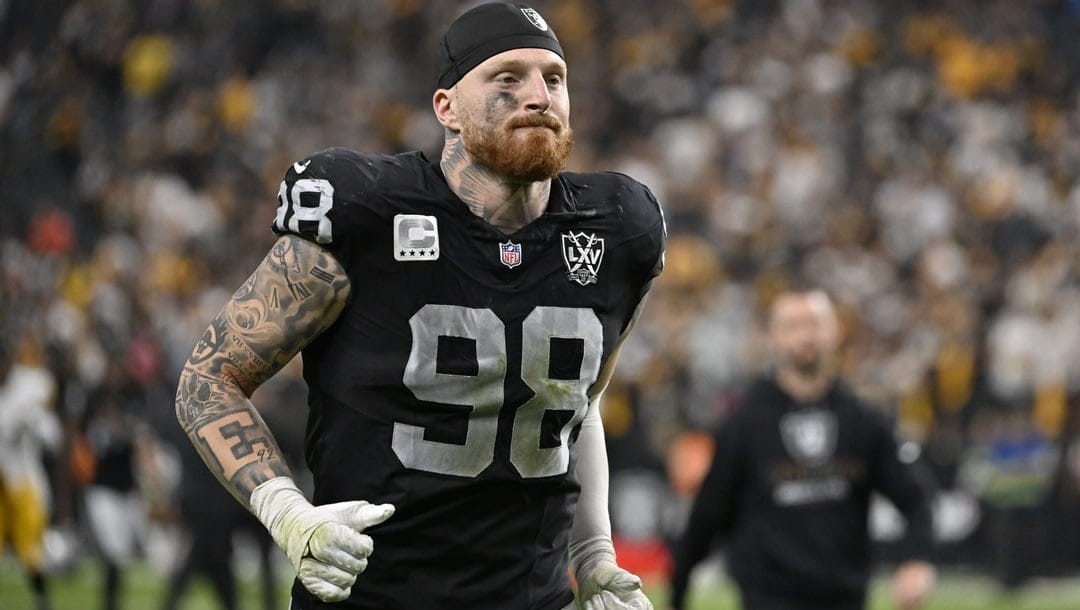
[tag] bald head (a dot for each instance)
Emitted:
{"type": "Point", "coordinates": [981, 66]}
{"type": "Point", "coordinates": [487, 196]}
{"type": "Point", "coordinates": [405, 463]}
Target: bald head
{"type": "Point", "coordinates": [803, 331]}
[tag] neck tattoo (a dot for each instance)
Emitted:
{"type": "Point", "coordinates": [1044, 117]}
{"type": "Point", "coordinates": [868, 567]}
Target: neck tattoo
{"type": "Point", "coordinates": [505, 205]}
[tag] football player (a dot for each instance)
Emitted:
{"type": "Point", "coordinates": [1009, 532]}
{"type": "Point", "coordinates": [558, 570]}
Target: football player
{"type": "Point", "coordinates": [28, 428]}
{"type": "Point", "coordinates": [458, 321]}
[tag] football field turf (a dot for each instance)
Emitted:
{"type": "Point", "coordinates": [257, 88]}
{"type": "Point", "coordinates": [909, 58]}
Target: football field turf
{"type": "Point", "coordinates": [143, 589]}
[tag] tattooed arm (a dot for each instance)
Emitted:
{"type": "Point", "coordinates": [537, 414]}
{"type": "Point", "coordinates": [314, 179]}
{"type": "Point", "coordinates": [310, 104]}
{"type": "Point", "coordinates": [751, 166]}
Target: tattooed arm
{"type": "Point", "coordinates": [297, 292]}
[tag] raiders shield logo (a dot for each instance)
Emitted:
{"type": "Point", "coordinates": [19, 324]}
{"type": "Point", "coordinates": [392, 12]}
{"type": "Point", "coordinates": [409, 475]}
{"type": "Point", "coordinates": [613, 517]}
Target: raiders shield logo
{"type": "Point", "coordinates": [809, 435]}
{"type": "Point", "coordinates": [582, 254]}
{"type": "Point", "coordinates": [535, 19]}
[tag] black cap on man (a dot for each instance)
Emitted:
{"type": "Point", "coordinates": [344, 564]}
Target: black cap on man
{"type": "Point", "coordinates": [487, 30]}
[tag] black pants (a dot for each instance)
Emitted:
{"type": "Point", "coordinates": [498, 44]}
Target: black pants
{"type": "Point", "coordinates": [757, 600]}
{"type": "Point", "coordinates": [211, 556]}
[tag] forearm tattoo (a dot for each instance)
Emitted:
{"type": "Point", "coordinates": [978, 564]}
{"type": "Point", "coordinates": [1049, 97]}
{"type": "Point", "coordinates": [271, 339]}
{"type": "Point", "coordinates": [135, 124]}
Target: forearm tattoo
{"type": "Point", "coordinates": [296, 293]}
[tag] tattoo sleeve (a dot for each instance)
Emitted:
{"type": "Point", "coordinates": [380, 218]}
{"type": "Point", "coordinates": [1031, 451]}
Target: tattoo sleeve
{"type": "Point", "coordinates": [297, 291]}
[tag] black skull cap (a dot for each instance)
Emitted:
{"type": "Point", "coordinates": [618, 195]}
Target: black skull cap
{"type": "Point", "coordinates": [487, 30]}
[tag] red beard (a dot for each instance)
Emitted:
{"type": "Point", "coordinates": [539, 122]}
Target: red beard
{"type": "Point", "coordinates": [538, 156]}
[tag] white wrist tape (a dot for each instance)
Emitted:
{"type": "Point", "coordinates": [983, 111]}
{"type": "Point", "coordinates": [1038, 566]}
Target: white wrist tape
{"type": "Point", "coordinates": [585, 555]}
{"type": "Point", "coordinates": [277, 503]}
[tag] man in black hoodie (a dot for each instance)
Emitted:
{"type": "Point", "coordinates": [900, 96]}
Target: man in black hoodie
{"type": "Point", "coordinates": [790, 484]}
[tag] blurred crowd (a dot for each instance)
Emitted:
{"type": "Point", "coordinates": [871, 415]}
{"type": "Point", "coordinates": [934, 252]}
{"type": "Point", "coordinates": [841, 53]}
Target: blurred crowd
{"type": "Point", "coordinates": [920, 160]}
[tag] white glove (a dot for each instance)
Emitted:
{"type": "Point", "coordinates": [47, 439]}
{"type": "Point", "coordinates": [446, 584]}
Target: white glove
{"type": "Point", "coordinates": [323, 543]}
{"type": "Point", "coordinates": [603, 585]}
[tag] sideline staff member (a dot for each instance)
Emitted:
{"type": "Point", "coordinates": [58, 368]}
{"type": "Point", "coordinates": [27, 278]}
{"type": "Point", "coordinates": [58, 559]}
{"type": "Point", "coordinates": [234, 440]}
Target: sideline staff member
{"type": "Point", "coordinates": [790, 483]}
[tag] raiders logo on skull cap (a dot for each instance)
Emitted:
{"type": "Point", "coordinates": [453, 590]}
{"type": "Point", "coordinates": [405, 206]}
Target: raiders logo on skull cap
{"type": "Point", "coordinates": [487, 30]}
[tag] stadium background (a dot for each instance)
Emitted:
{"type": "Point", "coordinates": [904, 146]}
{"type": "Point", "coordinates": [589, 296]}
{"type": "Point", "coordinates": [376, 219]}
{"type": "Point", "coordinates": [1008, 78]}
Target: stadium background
{"type": "Point", "coordinates": [920, 159]}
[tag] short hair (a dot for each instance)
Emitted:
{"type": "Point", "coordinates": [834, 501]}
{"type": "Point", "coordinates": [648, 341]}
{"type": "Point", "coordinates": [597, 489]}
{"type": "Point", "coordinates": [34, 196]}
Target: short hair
{"type": "Point", "coordinates": [801, 288]}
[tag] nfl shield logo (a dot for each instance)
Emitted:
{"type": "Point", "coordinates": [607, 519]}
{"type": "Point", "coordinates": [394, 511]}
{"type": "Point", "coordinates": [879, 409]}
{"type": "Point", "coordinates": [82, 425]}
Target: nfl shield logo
{"type": "Point", "coordinates": [582, 253]}
{"type": "Point", "coordinates": [510, 254]}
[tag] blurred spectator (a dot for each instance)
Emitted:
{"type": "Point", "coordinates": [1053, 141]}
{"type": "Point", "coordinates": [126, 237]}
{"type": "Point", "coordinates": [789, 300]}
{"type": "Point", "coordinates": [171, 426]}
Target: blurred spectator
{"type": "Point", "coordinates": [210, 553]}
{"type": "Point", "coordinates": [116, 514]}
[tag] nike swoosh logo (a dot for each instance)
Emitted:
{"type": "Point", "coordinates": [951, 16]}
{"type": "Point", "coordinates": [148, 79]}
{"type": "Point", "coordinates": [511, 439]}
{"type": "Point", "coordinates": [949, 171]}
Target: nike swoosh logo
{"type": "Point", "coordinates": [298, 168]}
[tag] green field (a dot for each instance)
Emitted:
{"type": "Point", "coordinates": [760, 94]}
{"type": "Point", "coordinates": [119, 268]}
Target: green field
{"type": "Point", "coordinates": [79, 589]}
{"type": "Point", "coordinates": [142, 589]}
{"type": "Point", "coordinates": [955, 591]}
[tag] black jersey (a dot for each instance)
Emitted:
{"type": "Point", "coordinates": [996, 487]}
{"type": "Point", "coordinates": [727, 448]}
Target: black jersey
{"type": "Point", "coordinates": [453, 383]}
{"type": "Point", "coordinates": [789, 492]}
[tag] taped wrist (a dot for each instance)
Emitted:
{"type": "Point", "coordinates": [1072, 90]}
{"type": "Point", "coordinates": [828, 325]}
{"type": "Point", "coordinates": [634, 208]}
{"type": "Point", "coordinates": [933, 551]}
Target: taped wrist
{"type": "Point", "coordinates": [587, 555]}
{"type": "Point", "coordinates": [279, 505]}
